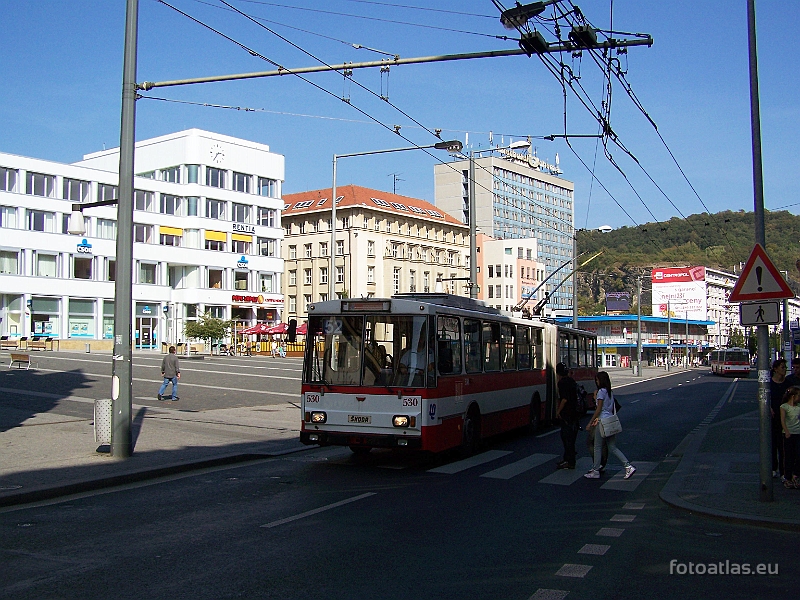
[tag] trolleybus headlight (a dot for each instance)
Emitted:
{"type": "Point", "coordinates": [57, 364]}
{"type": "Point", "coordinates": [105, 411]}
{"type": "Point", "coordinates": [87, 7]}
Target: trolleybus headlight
{"type": "Point", "coordinates": [318, 417]}
{"type": "Point", "coordinates": [400, 421]}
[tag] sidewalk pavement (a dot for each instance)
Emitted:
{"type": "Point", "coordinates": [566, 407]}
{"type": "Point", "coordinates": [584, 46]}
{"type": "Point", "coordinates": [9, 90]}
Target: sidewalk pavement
{"type": "Point", "coordinates": [50, 455]}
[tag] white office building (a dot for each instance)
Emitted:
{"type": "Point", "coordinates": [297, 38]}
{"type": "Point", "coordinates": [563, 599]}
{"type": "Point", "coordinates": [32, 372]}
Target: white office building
{"type": "Point", "coordinates": [207, 238]}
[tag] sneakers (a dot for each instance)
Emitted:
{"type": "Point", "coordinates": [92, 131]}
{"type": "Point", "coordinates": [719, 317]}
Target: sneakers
{"type": "Point", "coordinates": [175, 398]}
{"type": "Point", "coordinates": [160, 397]}
{"type": "Point", "coordinates": [592, 474]}
{"type": "Point", "coordinates": [564, 465]}
{"type": "Point", "coordinates": [629, 471]}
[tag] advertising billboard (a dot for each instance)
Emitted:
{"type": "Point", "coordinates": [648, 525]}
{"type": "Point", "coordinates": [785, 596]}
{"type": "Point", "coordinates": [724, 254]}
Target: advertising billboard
{"type": "Point", "coordinates": [618, 302]}
{"type": "Point", "coordinates": [682, 289]}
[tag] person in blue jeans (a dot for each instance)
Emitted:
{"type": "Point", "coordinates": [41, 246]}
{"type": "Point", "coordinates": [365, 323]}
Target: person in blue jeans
{"type": "Point", "coordinates": [171, 372]}
{"type": "Point", "coordinates": [605, 408]}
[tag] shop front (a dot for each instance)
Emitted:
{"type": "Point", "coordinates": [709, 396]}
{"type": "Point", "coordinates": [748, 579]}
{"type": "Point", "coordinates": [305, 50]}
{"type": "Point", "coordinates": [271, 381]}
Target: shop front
{"type": "Point", "coordinates": [146, 332]}
{"type": "Point", "coordinates": [45, 316]}
{"type": "Point", "coordinates": [12, 315]}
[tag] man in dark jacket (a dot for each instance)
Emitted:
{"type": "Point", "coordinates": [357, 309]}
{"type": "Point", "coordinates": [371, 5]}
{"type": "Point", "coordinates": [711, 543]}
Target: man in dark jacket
{"type": "Point", "coordinates": [170, 371]}
{"type": "Point", "coordinates": [567, 411]}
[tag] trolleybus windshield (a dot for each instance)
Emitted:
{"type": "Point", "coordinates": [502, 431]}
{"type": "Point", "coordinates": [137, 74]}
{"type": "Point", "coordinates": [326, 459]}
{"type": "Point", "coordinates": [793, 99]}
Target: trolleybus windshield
{"type": "Point", "coordinates": [374, 350]}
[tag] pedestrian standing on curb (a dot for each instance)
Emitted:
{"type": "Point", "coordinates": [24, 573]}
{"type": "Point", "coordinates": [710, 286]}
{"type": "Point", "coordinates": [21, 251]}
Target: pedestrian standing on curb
{"type": "Point", "coordinates": [605, 408]}
{"type": "Point", "coordinates": [778, 384]}
{"type": "Point", "coordinates": [790, 423]}
{"type": "Point", "coordinates": [567, 411]}
{"type": "Point", "coordinates": [171, 372]}
{"type": "Point", "coordinates": [793, 378]}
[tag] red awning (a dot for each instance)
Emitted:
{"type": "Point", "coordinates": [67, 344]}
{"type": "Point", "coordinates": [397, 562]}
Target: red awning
{"type": "Point", "coordinates": [279, 328]}
{"type": "Point", "coordinates": [302, 329]}
{"type": "Point", "coordinates": [256, 329]}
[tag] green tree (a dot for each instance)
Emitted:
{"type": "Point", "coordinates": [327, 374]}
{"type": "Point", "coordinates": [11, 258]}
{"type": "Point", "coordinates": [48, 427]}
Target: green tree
{"type": "Point", "coordinates": [736, 339]}
{"type": "Point", "coordinates": [206, 328]}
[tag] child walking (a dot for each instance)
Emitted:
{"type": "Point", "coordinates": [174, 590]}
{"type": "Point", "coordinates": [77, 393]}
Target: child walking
{"type": "Point", "coordinates": [790, 424]}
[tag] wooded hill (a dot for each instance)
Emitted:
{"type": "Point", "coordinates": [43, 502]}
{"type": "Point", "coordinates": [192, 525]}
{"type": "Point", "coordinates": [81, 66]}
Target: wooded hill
{"type": "Point", "coordinates": [722, 241]}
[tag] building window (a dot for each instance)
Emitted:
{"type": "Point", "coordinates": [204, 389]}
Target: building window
{"type": "Point", "coordinates": [323, 275]}
{"type": "Point", "coordinates": [171, 205]}
{"type": "Point", "coordinates": [323, 248]}
{"type": "Point", "coordinates": [323, 297]}
{"type": "Point", "coordinates": [143, 234]}
{"type": "Point", "coordinates": [9, 263]}
{"type": "Point", "coordinates": [339, 274]}
{"type": "Point", "coordinates": [215, 279]}
{"type": "Point", "coordinates": [241, 212]}
{"type": "Point", "coordinates": [266, 217]}
{"type": "Point", "coordinates": [39, 220]}
{"type": "Point", "coordinates": [41, 185]}
{"type": "Point", "coordinates": [266, 246]}
{"type": "Point", "coordinates": [215, 177]}
{"type": "Point", "coordinates": [268, 187]}
{"type": "Point", "coordinates": [491, 291]}
{"type": "Point", "coordinates": [8, 217]}
{"type": "Point", "coordinates": [111, 270]}
{"type": "Point", "coordinates": [216, 245]}
{"type": "Point", "coordinates": [266, 283]}
{"type": "Point", "coordinates": [412, 281]}
{"type": "Point", "coordinates": [46, 265]}
{"type": "Point", "coordinates": [241, 246]}
{"type": "Point", "coordinates": [107, 192]}
{"type": "Point", "coordinates": [306, 250]}
{"type": "Point", "coordinates": [171, 174]}
{"type": "Point", "coordinates": [307, 276]}
{"type": "Point", "coordinates": [292, 252]}
{"type": "Point", "coordinates": [345, 222]}
{"type": "Point", "coordinates": [293, 277]}
{"type": "Point", "coordinates": [241, 182]}
{"type": "Point", "coordinates": [340, 247]}
{"type": "Point", "coordinates": [370, 248]}
{"type": "Point", "coordinates": [302, 227]}
{"type": "Point", "coordinates": [396, 280]}
{"type": "Point", "coordinates": [8, 180]}
{"type": "Point", "coordinates": [191, 238]}
{"type": "Point", "coordinates": [76, 190]}
{"type": "Point", "coordinates": [147, 273]}
{"type": "Point", "coordinates": [426, 282]}
{"type": "Point", "coordinates": [191, 206]}
{"type": "Point", "coordinates": [143, 201]}
{"type": "Point", "coordinates": [81, 267]}
{"type": "Point", "coordinates": [169, 240]}
{"type": "Point", "coordinates": [370, 274]}
{"type": "Point", "coordinates": [218, 312]}
{"type": "Point", "coordinates": [293, 304]}
{"type": "Point", "coordinates": [240, 280]}
{"type": "Point", "coordinates": [106, 229]}
{"type": "Point", "coordinates": [215, 209]}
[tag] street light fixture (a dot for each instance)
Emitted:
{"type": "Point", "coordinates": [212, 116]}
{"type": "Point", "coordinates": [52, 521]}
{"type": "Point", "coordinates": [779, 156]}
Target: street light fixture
{"type": "Point", "coordinates": [452, 146]}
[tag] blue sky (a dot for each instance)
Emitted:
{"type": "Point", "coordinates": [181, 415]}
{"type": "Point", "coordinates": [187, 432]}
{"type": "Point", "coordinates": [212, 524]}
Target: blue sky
{"type": "Point", "coordinates": [62, 79]}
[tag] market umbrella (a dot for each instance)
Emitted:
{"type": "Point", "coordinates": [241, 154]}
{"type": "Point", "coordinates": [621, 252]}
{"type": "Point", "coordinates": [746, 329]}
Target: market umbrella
{"type": "Point", "coordinates": [302, 329]}
{"type": "Point", "coordinates": [256, 329]}
{"type": "Point", "coordinates": [279, 328]}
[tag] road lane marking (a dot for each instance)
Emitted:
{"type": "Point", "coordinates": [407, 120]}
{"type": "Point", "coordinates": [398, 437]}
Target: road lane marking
{"type": "Point", "coordinates": [520, 466]}
{"type": "Point", "coordinates": [315, 511]}
{"type": "Point", "coordinates": [548, 433]}
{"type": "Point", "coordinates": [623, 518]}
{"type": "Point", "coordinates": [569, 476]}
{"type": "Point", "coordinates": [570, 570]}
{"type": "Point", "coordinates": [545, 594]}
{"type": "Point", "coordinates": [468, 463]}
{"type": "Point", "coordinates": [633, 506]}
{"type": "Point", "coordinates": [610, 532]}
{"type": "Point", "coordinates": [596, 549]}
{"type": "Point", "coordinates": [618, 482]}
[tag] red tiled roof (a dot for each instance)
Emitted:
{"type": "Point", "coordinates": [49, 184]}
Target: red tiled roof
{"type": "Point", "coordinates": [354, 195]}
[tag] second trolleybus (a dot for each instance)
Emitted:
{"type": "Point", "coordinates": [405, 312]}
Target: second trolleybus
{"type": "Point", "coordinates": [431, 372]}
{"type": "Point", "coordinates": [730, 361]}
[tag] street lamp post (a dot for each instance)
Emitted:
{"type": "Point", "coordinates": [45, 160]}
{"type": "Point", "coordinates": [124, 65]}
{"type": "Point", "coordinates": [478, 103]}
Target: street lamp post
{"type": "Point", "coordinates": [639, 327]}
{"type": "Point", "coordinates": [452, 146]}
{"type": "Point", "coordinates": [669, 335]}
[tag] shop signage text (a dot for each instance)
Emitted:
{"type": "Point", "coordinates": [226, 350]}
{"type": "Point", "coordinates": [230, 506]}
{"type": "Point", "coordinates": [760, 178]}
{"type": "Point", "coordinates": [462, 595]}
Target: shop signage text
{"type": "Point", "coordinates": [260, 299]}
{"type": "Point", "coordinates": [84, 247]}
{"type": "Point", "coordinates": [244, 228]}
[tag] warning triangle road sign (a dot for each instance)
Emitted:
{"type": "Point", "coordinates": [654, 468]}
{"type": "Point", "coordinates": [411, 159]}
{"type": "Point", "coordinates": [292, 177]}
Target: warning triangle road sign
{"type": "Point", "coordinates": [760, 280]}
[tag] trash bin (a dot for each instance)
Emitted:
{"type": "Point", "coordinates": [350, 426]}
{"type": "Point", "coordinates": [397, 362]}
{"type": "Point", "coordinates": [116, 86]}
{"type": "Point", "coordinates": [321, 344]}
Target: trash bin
{"type": "Point", "coordinates": [636, 369]}
{"type": "Point", "coordinates": [102, 421]}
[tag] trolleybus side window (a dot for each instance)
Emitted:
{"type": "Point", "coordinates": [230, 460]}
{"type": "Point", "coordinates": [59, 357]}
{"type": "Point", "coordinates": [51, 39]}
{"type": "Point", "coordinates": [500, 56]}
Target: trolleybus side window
{"type": "Point", "coordinates": [523, 347]}
{"type": "Point", "coordinates": [491, 346]}
{"type": "Point", "coordinates": [537, 349]}
{"type": "Point", "coordinates": [472, 345]}
{"type": "Point", "coordinates": [448, 344]}
{"type": "Point", "coordinates": [411, 346]}
{"type": "Point", "coordinates": [507, 332]}
{"type": "Point", "coordinates": [563, 347]}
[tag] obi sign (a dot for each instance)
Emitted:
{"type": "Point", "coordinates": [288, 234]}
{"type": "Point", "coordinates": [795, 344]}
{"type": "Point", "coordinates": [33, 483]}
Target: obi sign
{"type": "Point", "coordinates": [681, 290]}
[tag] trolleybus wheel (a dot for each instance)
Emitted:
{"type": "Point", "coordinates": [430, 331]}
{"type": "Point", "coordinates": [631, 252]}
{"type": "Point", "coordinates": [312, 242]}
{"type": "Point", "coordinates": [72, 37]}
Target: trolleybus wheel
{"type": "Point", "coordinates": [535, 414]}
{"type": "Point", "coordinates": [360, 450]}
{"type": "Point", "coordinates": [471, 431]}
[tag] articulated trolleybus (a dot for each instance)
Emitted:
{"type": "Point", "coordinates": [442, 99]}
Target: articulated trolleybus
{"type": "Point", "coordinates": [730, 361]}
{"type": "Point", "coordinates": [431, 372]}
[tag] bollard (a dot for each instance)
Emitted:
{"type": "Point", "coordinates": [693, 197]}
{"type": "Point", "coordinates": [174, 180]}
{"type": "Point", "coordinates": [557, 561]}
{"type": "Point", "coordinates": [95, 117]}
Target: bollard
{"type": "Point", "coordinates": [88, 348]}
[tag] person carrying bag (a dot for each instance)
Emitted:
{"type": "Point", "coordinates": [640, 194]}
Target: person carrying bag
{"type": "Point", "coordinates": [607, 424]}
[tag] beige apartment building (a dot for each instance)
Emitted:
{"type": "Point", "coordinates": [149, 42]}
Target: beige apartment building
{"type": "Point", "coordinates": [385, 244]}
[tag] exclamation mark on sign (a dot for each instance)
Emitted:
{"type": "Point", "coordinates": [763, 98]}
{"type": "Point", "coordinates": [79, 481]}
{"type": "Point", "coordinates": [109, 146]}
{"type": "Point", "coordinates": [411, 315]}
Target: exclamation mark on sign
{"type": "Point", "coordinates": [758, 275]}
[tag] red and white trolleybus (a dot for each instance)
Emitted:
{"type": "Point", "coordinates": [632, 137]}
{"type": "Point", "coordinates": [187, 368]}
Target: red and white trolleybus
{"type": "Point", "coordinates": [431, 372]}
{"type": "Point", "coordinates": [730, 361]}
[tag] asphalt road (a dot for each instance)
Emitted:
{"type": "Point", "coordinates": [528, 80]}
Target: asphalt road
{"type": "Point", "coordinates": [327, 524]}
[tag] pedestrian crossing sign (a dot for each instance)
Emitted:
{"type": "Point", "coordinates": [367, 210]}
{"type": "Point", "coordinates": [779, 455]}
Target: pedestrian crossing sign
{"type": "Point", "coordinates": [760, 280]}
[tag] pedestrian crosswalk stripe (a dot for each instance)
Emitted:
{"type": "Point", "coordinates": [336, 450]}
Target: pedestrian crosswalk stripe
{"type": "Point", "coordinates": [520, 466]}
{"type": "Point", "coordinates": [618, 482]}
{"type": "Point", "coordinates": [468, 463]}
{"type": "Point", "coordinates": [569, 476]}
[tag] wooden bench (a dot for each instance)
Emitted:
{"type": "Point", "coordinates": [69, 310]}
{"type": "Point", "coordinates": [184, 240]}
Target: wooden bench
{"type": "Point", "coordinates": [20, 360]}
{"type": "Point", "coordinates": [5, 342]}
{"type": "Point", "coordinates": [40, 343]}
{"type": "Point", "coordinates": [196, 348]}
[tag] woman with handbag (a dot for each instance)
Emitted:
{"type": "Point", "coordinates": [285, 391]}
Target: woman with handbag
{"type": "Point", "coordinates": [607, 425]}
